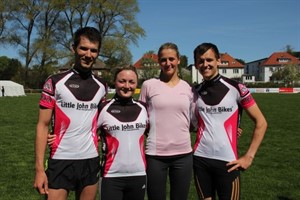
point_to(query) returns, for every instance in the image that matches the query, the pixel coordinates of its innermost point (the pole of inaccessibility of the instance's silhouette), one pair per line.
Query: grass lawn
(274, 174)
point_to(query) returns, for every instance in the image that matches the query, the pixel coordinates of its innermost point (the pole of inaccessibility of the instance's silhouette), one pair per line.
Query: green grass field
(274, 174)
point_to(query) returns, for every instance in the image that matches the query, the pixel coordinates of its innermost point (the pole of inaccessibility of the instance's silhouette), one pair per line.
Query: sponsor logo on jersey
(216, 110)
(79, 106)
(247, 100)
(127, 127)
(115, 111)
(204, 92)
(48, 87)
(243, 89)
(46, 98)
(74, 86)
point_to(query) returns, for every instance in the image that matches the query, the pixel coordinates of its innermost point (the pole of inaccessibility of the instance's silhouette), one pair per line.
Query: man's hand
(41, 182)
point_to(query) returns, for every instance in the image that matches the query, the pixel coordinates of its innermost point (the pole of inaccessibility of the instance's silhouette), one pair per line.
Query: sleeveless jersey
(74, 101)
(217, 109)
(123, 124)
(169, 111)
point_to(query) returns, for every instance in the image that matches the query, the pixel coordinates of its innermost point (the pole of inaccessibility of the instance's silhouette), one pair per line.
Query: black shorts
(211, 176)
(73, 174)
(127, 188)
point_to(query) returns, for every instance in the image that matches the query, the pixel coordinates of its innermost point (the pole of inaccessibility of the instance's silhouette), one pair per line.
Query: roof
(138, 64)
(280, 58)
(228, 61)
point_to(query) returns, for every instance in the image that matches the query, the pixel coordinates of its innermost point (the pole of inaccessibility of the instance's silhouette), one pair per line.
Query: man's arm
(41, 181)
(258, 134)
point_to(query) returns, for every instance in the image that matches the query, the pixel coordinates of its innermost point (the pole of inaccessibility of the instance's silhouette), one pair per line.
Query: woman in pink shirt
(168, 146)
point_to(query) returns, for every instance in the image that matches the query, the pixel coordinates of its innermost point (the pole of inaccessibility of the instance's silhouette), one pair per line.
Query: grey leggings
(179, 168)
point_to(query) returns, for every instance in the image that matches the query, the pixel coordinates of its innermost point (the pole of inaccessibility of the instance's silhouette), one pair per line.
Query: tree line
(42, 32)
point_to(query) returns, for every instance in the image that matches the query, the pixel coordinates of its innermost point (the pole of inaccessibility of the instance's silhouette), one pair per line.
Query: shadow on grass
(284, 198)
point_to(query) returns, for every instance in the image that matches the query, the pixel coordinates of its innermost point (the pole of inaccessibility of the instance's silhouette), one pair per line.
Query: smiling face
(126, 83)
(86, 52)
(207, 64)
(169, 61)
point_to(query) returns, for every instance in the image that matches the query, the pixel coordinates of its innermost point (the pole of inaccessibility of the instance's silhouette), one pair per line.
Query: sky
(245, 29)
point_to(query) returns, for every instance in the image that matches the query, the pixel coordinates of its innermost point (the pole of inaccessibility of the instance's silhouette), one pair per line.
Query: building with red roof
(148, 60)
(259, 70)
(230, 67)
(263, 69)
(147, 66)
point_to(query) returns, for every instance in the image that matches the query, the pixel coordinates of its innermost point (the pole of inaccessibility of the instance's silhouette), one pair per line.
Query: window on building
(235, 71)
(224, 71)
(283, 60)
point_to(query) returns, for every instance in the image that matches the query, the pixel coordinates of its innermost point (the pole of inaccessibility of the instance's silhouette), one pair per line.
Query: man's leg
(88, 170)
(57, 194)
(89, 192)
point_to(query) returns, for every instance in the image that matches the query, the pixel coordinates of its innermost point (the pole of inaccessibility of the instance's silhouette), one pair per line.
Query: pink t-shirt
(169, 112)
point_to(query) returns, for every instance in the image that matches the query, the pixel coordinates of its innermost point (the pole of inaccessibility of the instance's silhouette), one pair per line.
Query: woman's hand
(50, 139)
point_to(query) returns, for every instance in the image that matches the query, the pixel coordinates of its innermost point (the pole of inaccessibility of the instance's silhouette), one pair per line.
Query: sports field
(274, 174)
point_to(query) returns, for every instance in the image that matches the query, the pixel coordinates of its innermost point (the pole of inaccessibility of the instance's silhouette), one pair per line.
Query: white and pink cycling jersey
(123, 123)
(74, 101)
(218, 110)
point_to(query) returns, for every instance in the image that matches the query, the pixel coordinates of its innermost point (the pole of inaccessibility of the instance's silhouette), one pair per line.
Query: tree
(116, 52)
(289, 49)
(38, 75)
(183, 64)
(288, 74)
(4, 17)
(46, 31)
(115, 19)
(43, 30)
(23, 15)
(9, 68)
(117, 24)
(240, 61)
(150, 68)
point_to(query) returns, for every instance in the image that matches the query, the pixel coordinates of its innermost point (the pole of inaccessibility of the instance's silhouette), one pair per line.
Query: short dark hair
(90, 32)
(204, 47)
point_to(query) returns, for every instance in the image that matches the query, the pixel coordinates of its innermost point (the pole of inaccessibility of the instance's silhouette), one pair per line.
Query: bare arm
(260, 128)
(41, 181)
